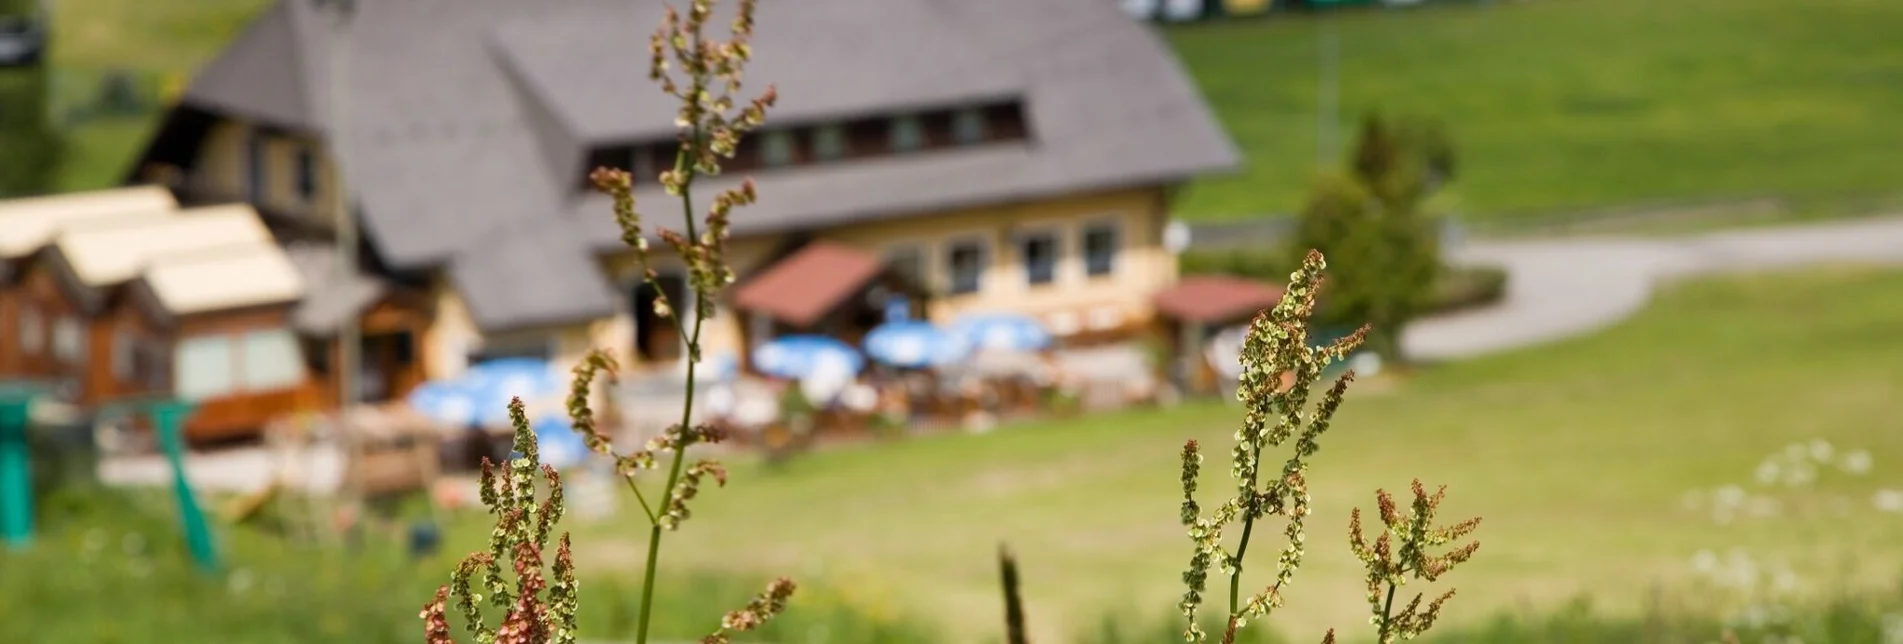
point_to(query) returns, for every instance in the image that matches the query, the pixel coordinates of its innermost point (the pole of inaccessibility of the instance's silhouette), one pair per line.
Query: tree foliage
(1371, 216)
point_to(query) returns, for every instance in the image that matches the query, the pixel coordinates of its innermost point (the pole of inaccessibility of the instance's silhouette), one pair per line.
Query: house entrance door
(389, 366)
(657, 338)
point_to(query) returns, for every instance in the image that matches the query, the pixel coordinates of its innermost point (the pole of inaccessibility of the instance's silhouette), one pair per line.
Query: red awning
(1215, 299)
(814, 280)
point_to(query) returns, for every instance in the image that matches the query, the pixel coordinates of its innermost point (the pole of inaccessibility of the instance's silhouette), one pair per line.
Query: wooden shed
(225, 315)
(32, 306)
(92, 267)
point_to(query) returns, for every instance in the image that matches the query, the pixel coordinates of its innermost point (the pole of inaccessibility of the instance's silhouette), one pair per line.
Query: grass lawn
(1579, 456)
(159, 41)
(1575, 104)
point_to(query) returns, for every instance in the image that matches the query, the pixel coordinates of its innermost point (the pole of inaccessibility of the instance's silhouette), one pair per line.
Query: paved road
(1563, 288)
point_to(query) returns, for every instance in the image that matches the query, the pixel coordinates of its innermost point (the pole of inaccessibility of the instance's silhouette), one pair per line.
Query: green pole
(169, 416)
(16, 470)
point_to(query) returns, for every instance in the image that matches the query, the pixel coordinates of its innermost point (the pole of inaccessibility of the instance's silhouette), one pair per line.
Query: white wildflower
(1796, 451)
(1821, 451)
(1705, 562)
(1784, 581)
(239, 581)
(1730, 496)
(1889, 500)
(1800, 474)
(1893, 628)
(1857, 462)
(1769, 472)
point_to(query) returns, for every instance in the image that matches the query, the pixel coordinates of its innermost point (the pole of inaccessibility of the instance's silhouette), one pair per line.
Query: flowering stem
(682, 163)
(1387, 614)
(638, 496)
(1235, 574)
(1251, 509)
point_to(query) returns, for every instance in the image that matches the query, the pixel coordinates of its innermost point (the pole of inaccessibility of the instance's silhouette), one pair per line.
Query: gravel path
(1563, 288)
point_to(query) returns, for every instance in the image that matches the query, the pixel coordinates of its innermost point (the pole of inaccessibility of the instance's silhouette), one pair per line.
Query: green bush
(1466, 287)
(1455, 287)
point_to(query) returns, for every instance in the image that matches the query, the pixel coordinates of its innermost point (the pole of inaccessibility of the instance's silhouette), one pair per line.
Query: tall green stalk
(711, 129)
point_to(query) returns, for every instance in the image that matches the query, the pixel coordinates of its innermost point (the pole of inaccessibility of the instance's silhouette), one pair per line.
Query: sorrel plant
(1279, 368)
(711, 125)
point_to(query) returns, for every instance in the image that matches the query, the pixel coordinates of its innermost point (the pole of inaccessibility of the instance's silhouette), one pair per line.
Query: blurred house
(33, 309)
(121, 293)
(940, 157)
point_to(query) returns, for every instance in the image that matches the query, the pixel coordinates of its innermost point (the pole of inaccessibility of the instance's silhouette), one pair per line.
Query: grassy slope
(1576, 103)
(156, 39)
(1578, 455)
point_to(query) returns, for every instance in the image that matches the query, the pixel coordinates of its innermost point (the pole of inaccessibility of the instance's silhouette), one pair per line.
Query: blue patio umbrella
(798, 357)
(450, 402)
(1002, 332)
(480, 396)
(556, 443)
(915, 344)
(495, 382)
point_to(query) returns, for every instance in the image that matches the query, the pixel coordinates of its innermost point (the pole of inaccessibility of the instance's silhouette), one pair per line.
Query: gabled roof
(811, 282)
(329, 299)
(224, 279)
(1215, 299)
(270, 71)
(107, 256)
(474, 117)
(28, 224)
(531, 276)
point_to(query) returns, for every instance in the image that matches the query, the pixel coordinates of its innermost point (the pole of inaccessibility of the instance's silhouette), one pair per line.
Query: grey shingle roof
(471, 118)
(531, 274)
(329, 299)
(270, 71)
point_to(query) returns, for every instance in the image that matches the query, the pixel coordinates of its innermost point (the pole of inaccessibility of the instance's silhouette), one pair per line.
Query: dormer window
(968, 126)
(306, 175)
(792, 147)
(776, 148)
(829, 142)
(907, 133)
(641, 164)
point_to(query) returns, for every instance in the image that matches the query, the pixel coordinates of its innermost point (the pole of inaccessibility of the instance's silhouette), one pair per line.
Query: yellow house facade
(1039, 187)
(1075, 300)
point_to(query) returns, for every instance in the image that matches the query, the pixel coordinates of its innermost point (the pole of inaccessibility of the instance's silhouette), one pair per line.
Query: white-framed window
(307, 174)
(69, 340)
(641, 163)
(965, 262)
(1101, 241)
(968, 126)
(270, 360)
(776, 148)
(124, 348)
(205, 367)
(908, 133)
(32, 330)
(256, 166)
(907, 260)
(1038, 251)
(829, 142)
(152, 363)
